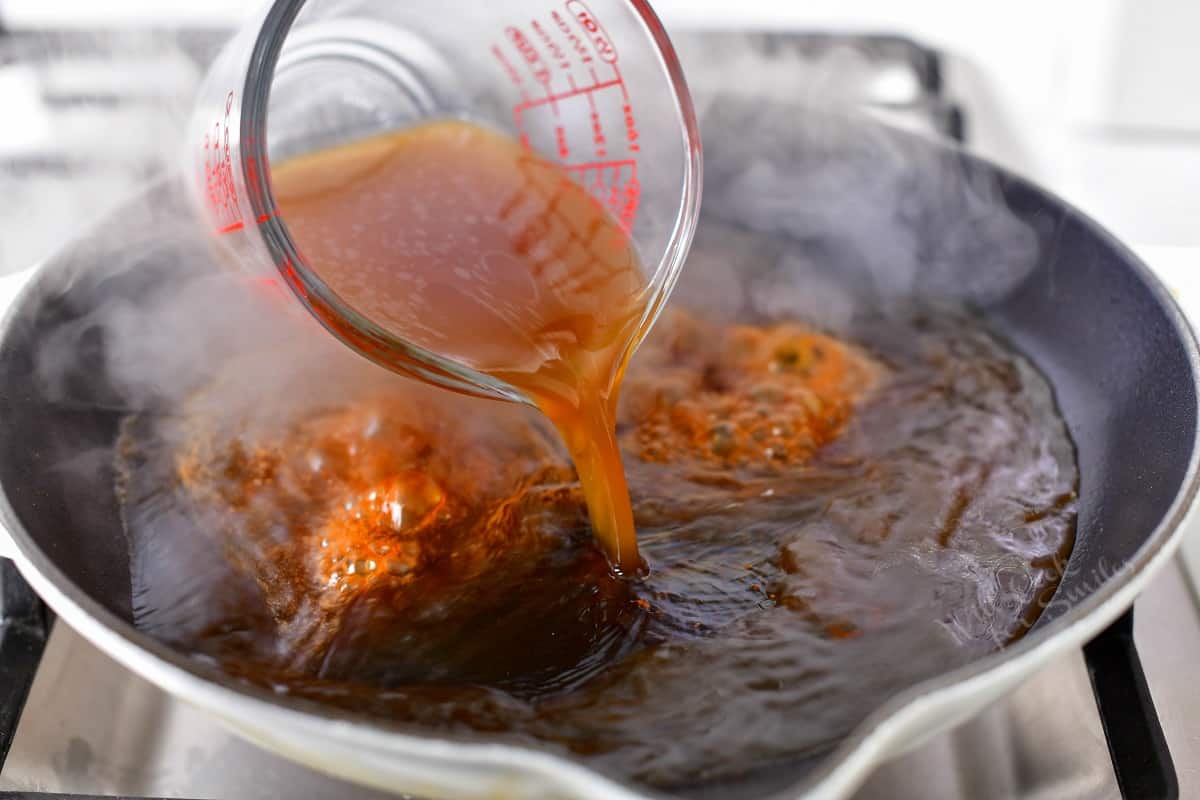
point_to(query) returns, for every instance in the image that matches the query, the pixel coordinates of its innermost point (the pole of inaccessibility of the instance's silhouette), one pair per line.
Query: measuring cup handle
(10, 289)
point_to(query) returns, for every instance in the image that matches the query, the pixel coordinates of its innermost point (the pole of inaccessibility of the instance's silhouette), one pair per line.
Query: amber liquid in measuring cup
(454, 238)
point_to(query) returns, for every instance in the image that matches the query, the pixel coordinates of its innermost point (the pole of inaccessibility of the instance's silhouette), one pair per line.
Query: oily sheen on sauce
(824, 520)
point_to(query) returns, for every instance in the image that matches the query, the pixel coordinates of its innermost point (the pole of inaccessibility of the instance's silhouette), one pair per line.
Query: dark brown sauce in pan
(825, 525)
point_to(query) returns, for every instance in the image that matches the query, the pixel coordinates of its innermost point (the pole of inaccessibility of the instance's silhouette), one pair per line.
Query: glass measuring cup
(594, 87)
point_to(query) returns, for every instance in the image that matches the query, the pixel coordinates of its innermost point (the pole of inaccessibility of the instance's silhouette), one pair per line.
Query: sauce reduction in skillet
(826, 523)
(457, 239)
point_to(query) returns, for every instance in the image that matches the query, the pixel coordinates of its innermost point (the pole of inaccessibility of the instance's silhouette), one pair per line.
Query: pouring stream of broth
(454, 238)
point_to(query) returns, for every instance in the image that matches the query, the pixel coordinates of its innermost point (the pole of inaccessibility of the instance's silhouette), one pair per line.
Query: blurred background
(1094, 98)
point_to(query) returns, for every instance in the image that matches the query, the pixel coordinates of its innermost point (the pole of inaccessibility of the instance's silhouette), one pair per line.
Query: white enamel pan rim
(471, 766)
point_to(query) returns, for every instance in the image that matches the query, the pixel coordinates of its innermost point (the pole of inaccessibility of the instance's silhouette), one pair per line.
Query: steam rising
(832, 215)
(811, 211)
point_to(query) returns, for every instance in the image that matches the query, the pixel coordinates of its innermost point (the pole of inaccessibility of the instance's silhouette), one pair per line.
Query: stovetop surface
(91, 727)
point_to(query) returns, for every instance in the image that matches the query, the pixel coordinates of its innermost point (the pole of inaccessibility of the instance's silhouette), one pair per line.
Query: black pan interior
(1082, 308)
(1120, 369)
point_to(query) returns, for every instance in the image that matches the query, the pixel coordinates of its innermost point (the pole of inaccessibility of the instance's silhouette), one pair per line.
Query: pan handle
(10, 288)
(1141, 760)
(8, 548)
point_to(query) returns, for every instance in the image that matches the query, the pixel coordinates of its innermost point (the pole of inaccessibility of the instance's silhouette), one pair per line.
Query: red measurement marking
(560, 136)
(595, 33)
(573, 39)
(614, 194)
(598, 138)
(631, 132)
(566, 49)
(633, 196)
(556, 52)
(554, 98)
(614, 184)
(624, 92)
(263, 218)
(522, 134)
(509, 69)
(625, 162)
(590, 96)
(220, 191)
(541, 72)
